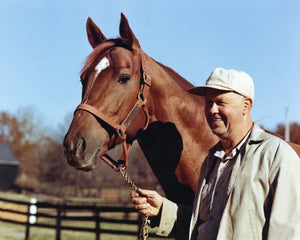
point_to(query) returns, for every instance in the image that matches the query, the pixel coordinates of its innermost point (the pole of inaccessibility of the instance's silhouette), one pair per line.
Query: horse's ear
(126, 33)
(95, 36)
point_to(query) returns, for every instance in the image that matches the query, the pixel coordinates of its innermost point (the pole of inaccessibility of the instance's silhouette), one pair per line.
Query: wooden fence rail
(55, 216)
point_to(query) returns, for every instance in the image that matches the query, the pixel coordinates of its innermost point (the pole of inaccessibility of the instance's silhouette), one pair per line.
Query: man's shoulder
(262, 136)
(268, 141)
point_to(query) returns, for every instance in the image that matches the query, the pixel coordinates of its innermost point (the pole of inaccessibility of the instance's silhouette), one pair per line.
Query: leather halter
(120, 128)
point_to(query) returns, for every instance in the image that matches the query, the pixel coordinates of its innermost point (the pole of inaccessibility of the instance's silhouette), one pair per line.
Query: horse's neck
(170, 101)
(178, 137)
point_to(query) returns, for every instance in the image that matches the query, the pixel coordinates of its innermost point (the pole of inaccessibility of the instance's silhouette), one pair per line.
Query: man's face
(223, 111)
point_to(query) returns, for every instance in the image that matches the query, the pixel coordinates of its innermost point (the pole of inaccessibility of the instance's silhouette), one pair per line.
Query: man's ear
(247, 106)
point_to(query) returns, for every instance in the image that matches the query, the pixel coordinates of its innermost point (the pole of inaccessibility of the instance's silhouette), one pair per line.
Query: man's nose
(212, 108)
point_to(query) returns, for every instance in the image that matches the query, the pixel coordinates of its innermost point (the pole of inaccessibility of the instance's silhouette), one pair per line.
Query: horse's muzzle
(75, 152)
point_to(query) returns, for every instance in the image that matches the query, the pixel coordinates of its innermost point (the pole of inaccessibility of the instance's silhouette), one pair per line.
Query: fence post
(58, 220)
(97, 222)
(31, 218)
(27, 225)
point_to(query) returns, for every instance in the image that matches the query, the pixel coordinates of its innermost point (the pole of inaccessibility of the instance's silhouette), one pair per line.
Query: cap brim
(201, 90)
(197, 91)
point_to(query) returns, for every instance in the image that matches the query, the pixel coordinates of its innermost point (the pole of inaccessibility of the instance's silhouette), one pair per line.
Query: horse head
(112, 85)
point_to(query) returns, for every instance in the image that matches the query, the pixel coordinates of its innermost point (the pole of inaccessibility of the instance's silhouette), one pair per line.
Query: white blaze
(103, 64)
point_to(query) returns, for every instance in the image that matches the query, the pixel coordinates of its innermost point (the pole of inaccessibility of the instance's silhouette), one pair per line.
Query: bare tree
(294, 131)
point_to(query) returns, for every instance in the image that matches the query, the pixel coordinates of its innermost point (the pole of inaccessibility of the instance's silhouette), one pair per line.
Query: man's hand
(147, 202)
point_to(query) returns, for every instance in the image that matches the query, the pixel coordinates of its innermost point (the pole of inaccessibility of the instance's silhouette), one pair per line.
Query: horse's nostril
(65, 152)
(68, 144)
(80, 147)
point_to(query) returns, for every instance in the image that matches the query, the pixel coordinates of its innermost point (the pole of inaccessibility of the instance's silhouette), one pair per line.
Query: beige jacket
(263, 195)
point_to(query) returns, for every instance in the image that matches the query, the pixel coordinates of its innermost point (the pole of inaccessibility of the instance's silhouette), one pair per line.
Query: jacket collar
(258, 135)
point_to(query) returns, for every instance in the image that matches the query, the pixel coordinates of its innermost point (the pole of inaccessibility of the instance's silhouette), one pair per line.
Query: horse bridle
(120, 128)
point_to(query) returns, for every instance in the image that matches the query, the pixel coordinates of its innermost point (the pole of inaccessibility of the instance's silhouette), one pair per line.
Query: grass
(11, 231)
(14, 196)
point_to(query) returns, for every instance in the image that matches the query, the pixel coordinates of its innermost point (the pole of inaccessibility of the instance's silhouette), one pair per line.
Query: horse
(120, 104)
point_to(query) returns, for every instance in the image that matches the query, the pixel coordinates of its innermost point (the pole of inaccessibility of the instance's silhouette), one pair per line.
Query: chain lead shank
(144, 228)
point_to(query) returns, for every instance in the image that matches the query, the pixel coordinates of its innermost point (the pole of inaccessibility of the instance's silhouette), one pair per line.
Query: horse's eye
(123, 78)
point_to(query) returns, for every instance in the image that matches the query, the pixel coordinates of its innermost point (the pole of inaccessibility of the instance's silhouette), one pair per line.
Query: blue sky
(43, 46)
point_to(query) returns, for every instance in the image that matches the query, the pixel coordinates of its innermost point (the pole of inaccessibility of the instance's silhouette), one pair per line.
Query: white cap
(227, 80)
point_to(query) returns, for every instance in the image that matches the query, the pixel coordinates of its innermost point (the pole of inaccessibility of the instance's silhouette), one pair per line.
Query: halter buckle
(121, 134)
(147, 78)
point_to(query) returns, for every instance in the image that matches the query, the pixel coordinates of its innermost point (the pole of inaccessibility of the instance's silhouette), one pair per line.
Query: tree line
(43, 167)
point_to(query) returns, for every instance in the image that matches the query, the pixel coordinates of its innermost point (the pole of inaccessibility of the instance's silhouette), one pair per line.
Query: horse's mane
(91, 59)
(179, 79)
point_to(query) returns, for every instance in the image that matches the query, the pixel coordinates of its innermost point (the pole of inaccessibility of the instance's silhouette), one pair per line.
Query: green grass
(11, 231)
(14, 196)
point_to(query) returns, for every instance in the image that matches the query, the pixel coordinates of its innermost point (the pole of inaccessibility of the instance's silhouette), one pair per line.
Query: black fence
(64, 217)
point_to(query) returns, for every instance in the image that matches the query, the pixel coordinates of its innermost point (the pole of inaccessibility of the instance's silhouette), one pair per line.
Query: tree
(294, 131)
(22, 135)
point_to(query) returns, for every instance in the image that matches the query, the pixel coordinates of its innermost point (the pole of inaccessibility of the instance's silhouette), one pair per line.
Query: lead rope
(144, 227)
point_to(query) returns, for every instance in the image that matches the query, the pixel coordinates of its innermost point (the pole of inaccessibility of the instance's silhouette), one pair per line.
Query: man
(249, 182)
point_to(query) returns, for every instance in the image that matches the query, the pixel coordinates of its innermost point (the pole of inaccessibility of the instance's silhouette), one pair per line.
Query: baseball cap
(227, 80)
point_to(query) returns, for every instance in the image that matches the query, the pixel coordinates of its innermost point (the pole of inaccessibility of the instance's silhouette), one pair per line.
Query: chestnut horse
(170, 127)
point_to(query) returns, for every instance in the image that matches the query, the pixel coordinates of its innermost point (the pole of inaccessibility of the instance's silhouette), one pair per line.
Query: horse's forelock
(93, 57)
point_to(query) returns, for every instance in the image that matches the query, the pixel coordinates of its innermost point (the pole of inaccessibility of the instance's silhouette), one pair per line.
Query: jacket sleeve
(284, 222)
(175, 218)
